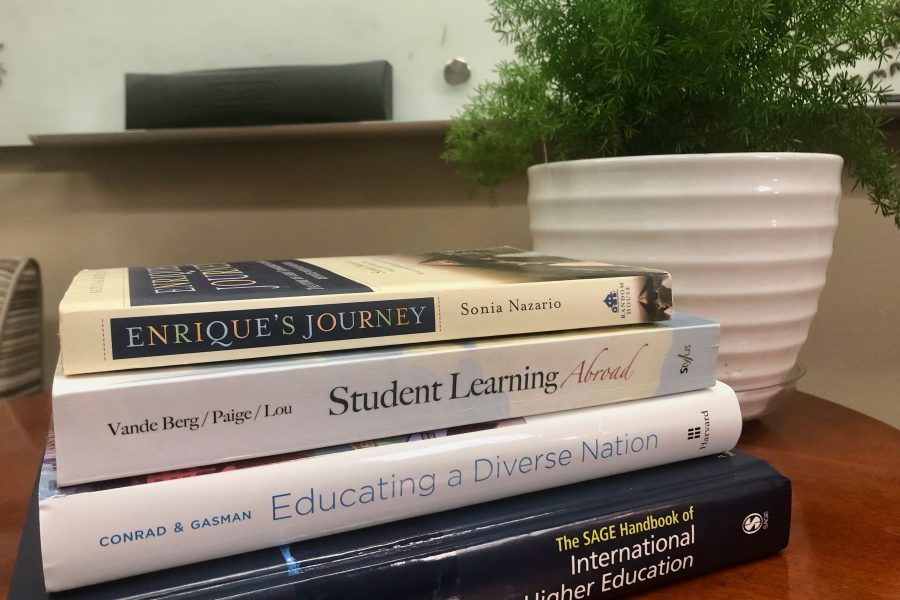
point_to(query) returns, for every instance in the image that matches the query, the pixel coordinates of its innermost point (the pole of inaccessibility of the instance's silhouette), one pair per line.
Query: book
(112, 425)
(108, 530)
(603, 537)
(112, 319)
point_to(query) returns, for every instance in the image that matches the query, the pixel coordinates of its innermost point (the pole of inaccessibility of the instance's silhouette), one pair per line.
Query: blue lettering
(342, 498)
(309, 499)
(490, 467)
(275, 507)
(216, 520)
(131, 536)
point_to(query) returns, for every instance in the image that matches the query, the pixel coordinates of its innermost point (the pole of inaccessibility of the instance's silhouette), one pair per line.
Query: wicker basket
(21, 325)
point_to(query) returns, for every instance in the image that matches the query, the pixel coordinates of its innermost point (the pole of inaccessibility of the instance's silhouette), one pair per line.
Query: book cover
(104, 531)
(112, 425)
(598, 539)
(112, 319)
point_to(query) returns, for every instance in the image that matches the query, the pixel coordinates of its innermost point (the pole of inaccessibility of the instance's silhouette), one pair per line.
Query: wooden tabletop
(845, 532)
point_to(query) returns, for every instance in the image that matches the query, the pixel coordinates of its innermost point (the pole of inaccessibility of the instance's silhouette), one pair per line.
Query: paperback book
(112, 425)
(108, 530)
(112, 319)
(599, 539)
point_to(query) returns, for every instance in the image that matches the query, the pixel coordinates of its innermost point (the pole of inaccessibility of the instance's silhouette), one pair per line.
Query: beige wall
(853, 350)
(133, 205)
(90, 207)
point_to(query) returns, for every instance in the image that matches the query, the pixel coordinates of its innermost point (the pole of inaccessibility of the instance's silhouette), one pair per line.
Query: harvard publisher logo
(612, 301)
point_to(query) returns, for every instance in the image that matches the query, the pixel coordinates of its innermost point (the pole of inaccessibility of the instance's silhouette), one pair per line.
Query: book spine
(707, 527)
(106, 534)
(616, 555)
(163, 335)
(104, 431)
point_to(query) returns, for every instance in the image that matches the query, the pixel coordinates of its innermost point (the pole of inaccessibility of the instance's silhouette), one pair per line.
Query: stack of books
(473, 424)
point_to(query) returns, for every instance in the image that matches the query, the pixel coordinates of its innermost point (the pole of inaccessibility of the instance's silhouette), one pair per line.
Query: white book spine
(90, 536)
(120, 424)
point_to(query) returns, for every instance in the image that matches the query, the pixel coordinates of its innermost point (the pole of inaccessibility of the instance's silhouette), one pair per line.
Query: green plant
(600, 78)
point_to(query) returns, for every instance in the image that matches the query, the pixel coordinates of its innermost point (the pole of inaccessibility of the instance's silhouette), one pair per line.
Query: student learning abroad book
(113, 425)
(104, 531)
(599, 539)
(113, 319)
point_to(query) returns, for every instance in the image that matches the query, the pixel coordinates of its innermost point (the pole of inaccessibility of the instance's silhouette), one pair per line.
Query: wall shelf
(273, 132)
(242, 134)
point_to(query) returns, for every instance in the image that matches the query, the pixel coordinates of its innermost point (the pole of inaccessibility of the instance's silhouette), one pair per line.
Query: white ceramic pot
(747, 238)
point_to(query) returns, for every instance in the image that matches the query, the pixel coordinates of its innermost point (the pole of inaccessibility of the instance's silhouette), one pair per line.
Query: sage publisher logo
(754, 522)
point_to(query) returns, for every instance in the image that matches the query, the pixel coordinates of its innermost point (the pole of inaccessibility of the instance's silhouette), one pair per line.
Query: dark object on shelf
(260, 96)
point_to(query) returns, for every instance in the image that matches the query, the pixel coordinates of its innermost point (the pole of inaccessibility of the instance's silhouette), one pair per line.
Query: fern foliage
(601, 78)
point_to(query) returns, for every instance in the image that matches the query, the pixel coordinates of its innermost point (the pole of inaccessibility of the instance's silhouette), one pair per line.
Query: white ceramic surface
(747, 238)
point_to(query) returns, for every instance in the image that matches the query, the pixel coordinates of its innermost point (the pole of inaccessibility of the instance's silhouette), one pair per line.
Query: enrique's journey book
(124, 318)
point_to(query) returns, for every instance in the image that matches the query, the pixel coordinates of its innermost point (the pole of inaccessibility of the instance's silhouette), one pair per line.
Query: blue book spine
(599, 539)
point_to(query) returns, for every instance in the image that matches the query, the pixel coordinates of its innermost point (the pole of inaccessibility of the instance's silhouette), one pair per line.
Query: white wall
(65, 60)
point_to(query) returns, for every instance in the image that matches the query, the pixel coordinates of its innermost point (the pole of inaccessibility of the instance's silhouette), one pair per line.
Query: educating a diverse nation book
(108, 530)
(113, 425)
(599, 539)
(113, 319)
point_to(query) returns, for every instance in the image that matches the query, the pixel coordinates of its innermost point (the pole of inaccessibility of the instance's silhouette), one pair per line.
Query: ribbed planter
(747, 238)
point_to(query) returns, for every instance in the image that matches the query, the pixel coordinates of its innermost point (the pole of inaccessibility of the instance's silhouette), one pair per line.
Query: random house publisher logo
(612, 301)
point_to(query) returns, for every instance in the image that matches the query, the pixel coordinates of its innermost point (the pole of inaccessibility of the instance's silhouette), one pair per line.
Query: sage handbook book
(600, 539)
(108, 530)
(111, 425)
(125, 318)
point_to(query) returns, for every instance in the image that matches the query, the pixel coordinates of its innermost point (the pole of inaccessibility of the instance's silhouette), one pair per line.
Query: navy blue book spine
(599, 539)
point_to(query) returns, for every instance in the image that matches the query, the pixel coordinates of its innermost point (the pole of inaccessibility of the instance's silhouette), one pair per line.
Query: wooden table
(845, 468)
